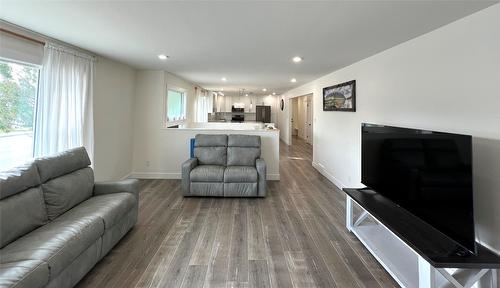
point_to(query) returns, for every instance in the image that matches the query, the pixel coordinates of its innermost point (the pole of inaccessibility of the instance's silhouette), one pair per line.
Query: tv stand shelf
(413, 252)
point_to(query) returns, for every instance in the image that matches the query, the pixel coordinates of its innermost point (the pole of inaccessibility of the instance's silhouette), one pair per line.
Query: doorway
(301, 118)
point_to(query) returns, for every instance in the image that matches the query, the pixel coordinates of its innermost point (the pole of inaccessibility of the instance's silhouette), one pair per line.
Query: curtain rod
(22, 36)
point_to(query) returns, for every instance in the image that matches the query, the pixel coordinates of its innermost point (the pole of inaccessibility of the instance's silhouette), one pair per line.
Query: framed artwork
(340, 97)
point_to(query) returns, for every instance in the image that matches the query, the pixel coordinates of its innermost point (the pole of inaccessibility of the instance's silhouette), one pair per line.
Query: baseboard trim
(128, 175)
(160, 175)
(321, 169)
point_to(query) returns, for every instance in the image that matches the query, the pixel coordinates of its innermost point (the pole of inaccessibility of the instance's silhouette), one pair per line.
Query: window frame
(36, 103)
(166, 121)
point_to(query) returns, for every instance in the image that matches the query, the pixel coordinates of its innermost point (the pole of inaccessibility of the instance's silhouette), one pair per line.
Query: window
(18, 93)
(176, 107)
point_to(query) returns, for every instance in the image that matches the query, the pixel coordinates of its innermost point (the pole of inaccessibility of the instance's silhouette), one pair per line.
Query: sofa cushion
(242, 156)
(238, 174)
(237, 140)
(207, 140)
(111, 208)
(211, 149)
(58, 243)
(62, 163)
(207, 173)
(65, 192)
(211, 155)
(18, 179)
(27, 273)
(21, 214)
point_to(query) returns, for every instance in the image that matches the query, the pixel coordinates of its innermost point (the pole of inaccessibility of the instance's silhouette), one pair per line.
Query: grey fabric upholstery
(18, 179)
(211, 149)
(21, 214)
(211, 155)
(57, 243)
(62, 163)
(240, 174)
(240, 189)
(129, 186)
(243, 150)
(207, 173)
(187, 166)
(56, 224)
(215, 189)
(65, 192)
(225, 166)
(262, 172)
(236, 140)
(24, 274)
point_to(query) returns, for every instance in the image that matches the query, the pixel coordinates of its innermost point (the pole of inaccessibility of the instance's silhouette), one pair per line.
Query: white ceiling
(250, 43)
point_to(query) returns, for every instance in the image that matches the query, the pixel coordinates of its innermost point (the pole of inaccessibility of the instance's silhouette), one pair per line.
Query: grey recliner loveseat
(225, 166)
(56, 223)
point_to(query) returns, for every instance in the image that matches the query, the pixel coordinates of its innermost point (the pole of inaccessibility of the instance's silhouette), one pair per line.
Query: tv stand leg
(426, 274)
(348, 213)
(494, 278)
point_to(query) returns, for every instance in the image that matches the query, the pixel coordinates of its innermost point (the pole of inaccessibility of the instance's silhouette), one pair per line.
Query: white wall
(159, 152)
(150, 139)
(446, 80)
(114, 92)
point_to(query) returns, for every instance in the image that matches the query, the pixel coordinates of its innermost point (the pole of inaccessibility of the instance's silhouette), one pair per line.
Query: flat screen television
(427, 173)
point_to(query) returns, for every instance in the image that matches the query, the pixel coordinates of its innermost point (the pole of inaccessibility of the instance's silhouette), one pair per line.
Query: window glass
(18, 91)
(175, 106)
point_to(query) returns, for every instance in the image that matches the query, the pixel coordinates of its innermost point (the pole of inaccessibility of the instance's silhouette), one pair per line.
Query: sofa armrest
(128, 185)
(187, 166)
(260, 164)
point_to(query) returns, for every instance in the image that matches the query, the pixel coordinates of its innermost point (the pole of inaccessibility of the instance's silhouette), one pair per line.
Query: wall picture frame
(340, 97)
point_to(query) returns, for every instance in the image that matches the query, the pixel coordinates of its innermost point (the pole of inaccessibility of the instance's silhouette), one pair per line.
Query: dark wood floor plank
(259, 275)
(295, 237)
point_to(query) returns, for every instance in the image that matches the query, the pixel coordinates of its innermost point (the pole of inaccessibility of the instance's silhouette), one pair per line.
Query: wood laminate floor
(295, 237)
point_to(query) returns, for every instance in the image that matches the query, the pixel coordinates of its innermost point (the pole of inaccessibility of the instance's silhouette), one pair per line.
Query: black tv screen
(427, 173)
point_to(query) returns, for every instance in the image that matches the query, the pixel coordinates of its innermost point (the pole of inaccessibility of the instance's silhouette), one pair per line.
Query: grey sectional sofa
(225, 166)
(56, 223)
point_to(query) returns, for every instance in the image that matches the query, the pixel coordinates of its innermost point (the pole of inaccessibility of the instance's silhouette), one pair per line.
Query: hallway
(295, 237)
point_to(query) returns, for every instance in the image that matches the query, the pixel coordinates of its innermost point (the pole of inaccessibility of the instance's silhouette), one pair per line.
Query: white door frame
(290, 112)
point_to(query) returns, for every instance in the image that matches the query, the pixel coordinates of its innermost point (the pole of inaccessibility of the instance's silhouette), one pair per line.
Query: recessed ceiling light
(246, 95)
(223, 79)
(163, 57)
(274, 93)
(264, 89)
(297, 59)
(293, 80)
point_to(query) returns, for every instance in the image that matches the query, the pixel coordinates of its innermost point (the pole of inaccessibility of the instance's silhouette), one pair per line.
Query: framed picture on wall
(340, 97)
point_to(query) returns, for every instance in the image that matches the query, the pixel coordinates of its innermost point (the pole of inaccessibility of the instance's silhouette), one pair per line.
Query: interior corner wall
(446, 80)
(151, 139)
(114, 93)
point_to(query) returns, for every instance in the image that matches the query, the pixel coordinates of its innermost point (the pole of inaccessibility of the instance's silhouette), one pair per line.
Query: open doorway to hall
(301, 119)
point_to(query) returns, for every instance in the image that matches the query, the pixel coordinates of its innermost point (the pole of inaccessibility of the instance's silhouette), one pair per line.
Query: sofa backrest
(243, 150)
(211, 149)
(67, 180)
(22, 207)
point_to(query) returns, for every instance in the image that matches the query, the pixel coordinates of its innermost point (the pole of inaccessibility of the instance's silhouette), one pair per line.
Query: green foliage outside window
(18, 89)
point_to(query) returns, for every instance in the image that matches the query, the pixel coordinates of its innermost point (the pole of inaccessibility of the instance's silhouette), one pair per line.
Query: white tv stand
(402, 261)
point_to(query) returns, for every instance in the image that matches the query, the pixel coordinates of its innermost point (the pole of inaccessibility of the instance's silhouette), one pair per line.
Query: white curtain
(203, 105)
(64, 106)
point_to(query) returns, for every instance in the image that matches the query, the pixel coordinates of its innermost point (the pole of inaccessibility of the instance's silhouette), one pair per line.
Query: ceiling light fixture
(223, 79)
(274, 93)
(264, 89)
(297, 59)
(163, 57)
(246, 95)
(293, 80)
